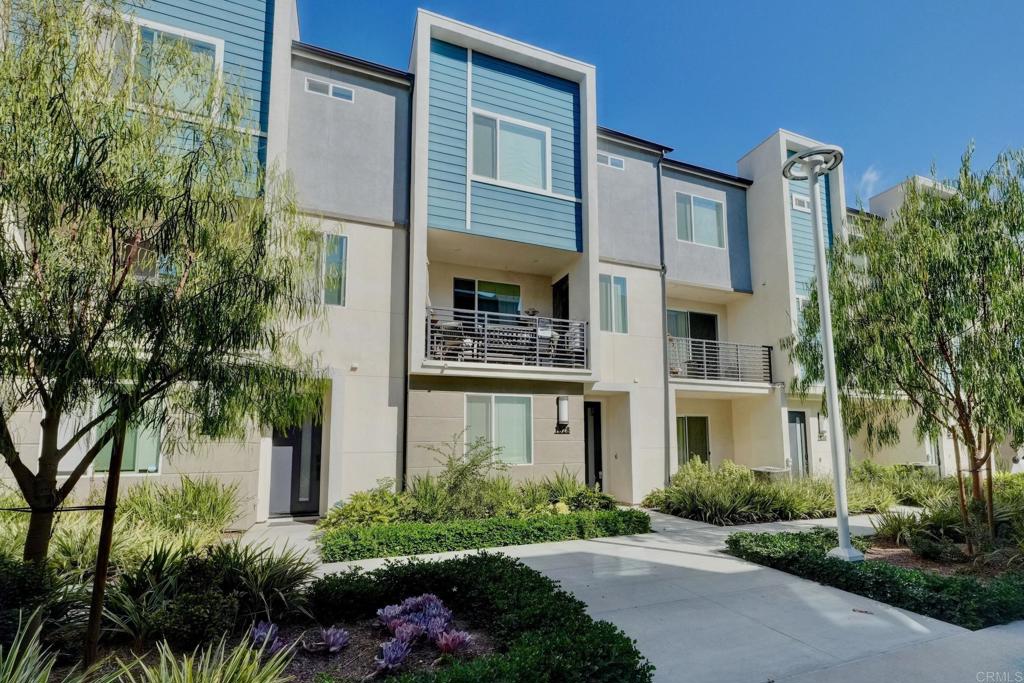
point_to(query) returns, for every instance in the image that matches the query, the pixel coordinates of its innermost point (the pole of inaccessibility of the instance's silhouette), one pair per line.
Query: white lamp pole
(810, 165)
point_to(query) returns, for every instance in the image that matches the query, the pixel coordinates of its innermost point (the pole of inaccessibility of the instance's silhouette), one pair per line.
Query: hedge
(413, 538)
(962, 600)
(542, 633)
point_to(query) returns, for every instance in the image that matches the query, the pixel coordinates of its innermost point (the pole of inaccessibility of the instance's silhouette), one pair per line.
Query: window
(486, 297)
(609, 160)
(141, 451)
(801, 203)
(511, 152)
(338, 92)
(933, 450)
(692, 439)
(334, 267)
(505, 421)
(700, 220)
(141, 446)
(614, 311)
(154, 63)
(691, 324)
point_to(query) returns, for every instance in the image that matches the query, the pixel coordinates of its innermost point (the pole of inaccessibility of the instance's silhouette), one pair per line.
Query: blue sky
(900, 85)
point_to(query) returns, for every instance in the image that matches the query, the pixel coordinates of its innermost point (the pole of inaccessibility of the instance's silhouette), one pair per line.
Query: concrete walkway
(700, 615)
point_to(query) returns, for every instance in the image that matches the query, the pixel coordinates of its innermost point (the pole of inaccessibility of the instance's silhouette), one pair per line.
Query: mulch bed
(902, 556)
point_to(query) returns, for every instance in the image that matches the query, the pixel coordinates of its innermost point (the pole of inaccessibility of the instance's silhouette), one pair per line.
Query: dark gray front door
(295, 471)
(592, 443)
(798, 460)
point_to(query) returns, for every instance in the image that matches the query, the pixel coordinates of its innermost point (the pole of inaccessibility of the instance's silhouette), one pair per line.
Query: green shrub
(270, 584)
(961, 600)
(543, 633)
(192, 503)
(896, 526)
(413, 538)
(934, 548)
(379, 505)
(24, 588)
(732, 495)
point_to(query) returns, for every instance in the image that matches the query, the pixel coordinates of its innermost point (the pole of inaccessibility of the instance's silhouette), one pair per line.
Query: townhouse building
(513, 271)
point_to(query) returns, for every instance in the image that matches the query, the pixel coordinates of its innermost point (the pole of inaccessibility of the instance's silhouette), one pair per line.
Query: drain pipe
(664, 326)
(403, 445)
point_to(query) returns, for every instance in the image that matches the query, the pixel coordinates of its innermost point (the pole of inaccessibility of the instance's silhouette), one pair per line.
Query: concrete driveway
(700, 615)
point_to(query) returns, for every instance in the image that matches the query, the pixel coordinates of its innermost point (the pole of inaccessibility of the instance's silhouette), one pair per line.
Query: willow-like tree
(150, 273)
(928, 315)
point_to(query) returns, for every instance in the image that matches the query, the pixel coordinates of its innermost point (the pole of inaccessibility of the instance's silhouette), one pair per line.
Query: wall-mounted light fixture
(562, 415)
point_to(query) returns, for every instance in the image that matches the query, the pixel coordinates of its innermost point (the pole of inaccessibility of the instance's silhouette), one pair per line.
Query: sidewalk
(701, 615)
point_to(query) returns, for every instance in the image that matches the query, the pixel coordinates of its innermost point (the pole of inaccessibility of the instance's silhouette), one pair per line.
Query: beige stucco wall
(632, 369)
(362, 347)
(437, 415)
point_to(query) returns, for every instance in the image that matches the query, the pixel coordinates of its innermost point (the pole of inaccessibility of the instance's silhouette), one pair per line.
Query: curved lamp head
(817, 160)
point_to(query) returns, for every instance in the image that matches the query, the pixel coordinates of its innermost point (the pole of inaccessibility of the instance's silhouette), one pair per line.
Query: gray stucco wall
(349, 158)
(687, 262)
(627, 205)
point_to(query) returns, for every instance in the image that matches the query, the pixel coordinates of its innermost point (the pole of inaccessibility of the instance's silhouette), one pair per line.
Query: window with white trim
(505, 421)
(512, 152)
(141, 446)
(700, 220)
(335, 261)
(332, 90)
(614, 306)
(610, 160)
(801, 202)
(154, 45)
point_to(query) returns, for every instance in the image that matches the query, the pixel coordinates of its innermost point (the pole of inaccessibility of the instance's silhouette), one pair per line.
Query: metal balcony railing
(480, 337)
(718, 360)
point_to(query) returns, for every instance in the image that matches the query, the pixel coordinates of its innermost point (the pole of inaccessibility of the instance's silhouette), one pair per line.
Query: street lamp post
(810, 165)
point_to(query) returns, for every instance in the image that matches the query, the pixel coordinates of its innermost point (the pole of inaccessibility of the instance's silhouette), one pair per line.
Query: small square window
(801, 203)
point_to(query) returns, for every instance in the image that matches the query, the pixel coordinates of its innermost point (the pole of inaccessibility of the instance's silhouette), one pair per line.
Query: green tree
(928, 314)
(150, 273)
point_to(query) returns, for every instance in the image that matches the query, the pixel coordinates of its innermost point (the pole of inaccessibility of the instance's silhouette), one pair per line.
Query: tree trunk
(37, 541)
(964, 517)
(99, 582)
(988, 494)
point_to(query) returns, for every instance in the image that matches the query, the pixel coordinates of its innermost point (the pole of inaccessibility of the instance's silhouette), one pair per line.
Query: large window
(512, 152)
(693, 325)
(486, 297)
(156, 61)
(334, 267)
(614, 310)
(700, 220)
(141, 446)
(505, 421)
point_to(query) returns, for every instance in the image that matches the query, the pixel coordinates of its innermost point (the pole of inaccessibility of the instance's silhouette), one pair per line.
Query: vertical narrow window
(684, 220)
(678, 324)
(464, 294)
(506, 422)
(485, 146)
(335, 255)
(614, 307)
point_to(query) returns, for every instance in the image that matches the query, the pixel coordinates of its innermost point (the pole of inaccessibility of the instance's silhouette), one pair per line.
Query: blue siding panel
(803, 233)
(245, 26)
(527, 217)
(446, 140)
(513, 90)
(502, 88)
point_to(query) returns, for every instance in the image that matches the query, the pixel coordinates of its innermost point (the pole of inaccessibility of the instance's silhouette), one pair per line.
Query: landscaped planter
(962, 600)
(539, 632)
(342, 544)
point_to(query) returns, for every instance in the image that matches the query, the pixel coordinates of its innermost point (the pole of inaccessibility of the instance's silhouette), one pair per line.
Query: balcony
(704, 359)
(502, 338)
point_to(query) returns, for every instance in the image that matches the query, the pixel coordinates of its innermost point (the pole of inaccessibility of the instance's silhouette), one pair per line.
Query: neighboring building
(511, 270)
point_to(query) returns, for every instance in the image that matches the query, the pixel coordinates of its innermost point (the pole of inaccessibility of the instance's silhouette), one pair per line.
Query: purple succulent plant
(452, 642)
(436, 627)
(436, 611)
(409, 632)
(334, 639)
(392, 654)
(388, 614)
(276, 645)
(263, 634)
